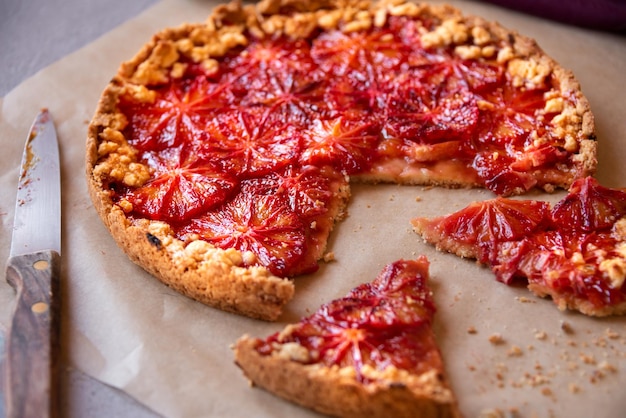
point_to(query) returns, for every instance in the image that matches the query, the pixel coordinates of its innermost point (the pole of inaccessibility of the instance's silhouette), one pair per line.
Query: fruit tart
(220, 156)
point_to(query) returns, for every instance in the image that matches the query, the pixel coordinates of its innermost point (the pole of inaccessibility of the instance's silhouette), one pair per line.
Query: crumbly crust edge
(335, 392)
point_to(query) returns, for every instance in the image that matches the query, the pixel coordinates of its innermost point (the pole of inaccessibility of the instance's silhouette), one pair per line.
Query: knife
(33, 270)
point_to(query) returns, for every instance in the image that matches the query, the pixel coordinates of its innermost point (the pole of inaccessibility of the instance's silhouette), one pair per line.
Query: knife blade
(33, 269)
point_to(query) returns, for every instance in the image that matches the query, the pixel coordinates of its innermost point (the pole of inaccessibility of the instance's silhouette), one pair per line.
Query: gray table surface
(33, 35)
(36, 33)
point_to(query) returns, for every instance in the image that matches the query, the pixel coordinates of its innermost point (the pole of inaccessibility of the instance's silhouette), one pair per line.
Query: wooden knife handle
(32, 343)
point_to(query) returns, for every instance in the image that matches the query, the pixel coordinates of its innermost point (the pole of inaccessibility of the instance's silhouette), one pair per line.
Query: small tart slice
(372, 353)
(574, 252)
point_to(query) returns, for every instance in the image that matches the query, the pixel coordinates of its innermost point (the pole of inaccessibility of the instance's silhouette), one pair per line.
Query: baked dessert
(220, 156)
(573, 252)
(370, 354)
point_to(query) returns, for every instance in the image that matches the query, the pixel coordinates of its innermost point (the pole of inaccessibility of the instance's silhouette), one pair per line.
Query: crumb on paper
(600, 342)
(587, 359)
(541, 335)
(573, 388)
(596, 375)
(515, 351)
(498, 413)
(606, 366)
(491, 413)
(524, 299)
(471, 330)
(329, 256)
(566, 327)
(418, 198)
(611, 334)
(496, 338)
(572, 365)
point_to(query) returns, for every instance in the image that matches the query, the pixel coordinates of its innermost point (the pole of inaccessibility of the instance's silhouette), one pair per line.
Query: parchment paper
(125, 328)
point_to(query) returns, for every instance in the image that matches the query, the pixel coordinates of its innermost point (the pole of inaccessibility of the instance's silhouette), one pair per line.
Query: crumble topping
(619, 233)
(615, 270)
(293, 351)
(567, 126)
(480, 35)
(140, 93)
(452, 31)
(528, 72)
(152, 70)
(199, 254)
(505, 54)
(121, 162)
(554, 105)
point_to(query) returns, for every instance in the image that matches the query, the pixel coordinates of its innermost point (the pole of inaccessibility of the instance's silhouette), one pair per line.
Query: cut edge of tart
(350, 359)
(234, 280)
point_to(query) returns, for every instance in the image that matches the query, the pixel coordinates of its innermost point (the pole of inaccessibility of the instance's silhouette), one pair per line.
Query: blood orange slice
(271, 70)
(590, 206)
(308, 189)
(452, 117)
(261, 224)
(346, 144)
(496, 170)
(374, 54)
(475, 231)
(243, 145)
(178, 191)
(510, 115)
(178, 115)
(378, 339)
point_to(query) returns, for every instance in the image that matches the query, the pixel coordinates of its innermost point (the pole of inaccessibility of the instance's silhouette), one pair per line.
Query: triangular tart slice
(574, 252)
(372, 353)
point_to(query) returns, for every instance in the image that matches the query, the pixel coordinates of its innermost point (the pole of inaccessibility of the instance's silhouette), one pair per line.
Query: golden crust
(423, 228)
(217, 277)
(336, 392)
(565, 302)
